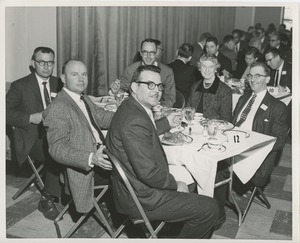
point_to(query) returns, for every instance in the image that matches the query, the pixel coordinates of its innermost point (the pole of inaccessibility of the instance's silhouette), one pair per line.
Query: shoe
(48, 208)
(220, 222)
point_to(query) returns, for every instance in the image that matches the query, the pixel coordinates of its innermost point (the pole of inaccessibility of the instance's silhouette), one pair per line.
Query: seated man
(185, 75)
(148, 51)
(281, 71)
(260, 112)
(227, 49)
(158, 55)
(25, 102)
(73, 130)
(133, 139)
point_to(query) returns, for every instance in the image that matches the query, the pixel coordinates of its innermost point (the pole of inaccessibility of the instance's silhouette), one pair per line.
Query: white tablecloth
(202, 165)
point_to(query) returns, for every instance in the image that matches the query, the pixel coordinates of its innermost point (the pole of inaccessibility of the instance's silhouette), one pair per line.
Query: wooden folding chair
(148, 229)
(180, 100)
(96, 208)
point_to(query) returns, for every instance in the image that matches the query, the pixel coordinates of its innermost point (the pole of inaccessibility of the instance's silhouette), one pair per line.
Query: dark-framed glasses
(269, 60)
(43, 63)
(150, 53)
(152, 85)
(255, 76)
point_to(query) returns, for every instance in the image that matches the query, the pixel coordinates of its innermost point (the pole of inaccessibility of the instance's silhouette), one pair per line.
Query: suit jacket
(133, 139)
(225, 63)
(24, 98)
(198, 51)
(271, 121)
(283, 50)
(71, 142)
(167, 78)
(215, 106)
(232, 55)
(185, 75)
(285, 78)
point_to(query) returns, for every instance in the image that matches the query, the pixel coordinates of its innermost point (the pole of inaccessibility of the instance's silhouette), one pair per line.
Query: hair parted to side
(185, 50)
(42, 49)
(208, 57)
(263, 65)
(143, 68)
(66, 63)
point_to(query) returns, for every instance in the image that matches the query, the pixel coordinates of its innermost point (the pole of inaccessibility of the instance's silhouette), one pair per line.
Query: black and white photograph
(162, 120)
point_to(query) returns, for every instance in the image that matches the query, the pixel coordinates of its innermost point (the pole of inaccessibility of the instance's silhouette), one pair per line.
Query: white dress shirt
(149, 112)
(247, 124)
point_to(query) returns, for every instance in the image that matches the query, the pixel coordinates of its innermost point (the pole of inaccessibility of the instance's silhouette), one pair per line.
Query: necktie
(92, 119)
(46, 94)
(246, 111)
(276, 78)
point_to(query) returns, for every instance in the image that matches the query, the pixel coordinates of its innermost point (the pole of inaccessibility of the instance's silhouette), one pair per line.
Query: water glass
(189, 114)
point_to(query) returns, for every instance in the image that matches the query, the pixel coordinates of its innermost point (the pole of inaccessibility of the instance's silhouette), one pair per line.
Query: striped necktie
(246, 111)
(46, 94)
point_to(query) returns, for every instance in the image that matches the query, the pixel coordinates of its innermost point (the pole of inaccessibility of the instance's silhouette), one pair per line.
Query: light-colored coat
(71, 141)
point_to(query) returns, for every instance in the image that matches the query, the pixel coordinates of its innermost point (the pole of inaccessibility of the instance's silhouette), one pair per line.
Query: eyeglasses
(43, 63)
(272, 40)
(269, 60)
(152, 85)
(255, 76)
(150, 53)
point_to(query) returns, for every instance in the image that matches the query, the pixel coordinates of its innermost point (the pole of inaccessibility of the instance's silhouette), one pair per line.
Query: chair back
(180, 100)
(116, 164)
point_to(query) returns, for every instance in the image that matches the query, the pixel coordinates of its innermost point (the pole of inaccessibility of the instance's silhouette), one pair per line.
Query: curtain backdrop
(107, 38)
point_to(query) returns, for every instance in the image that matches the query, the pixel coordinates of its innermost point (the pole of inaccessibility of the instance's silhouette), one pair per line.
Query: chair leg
(35, 176)
(263, 198)
(249, 204)
(120, 229)
(61, 214)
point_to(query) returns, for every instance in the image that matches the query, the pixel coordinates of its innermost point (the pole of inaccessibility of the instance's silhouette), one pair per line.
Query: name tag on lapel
(264, 107)
(283, 73)
(53, 95)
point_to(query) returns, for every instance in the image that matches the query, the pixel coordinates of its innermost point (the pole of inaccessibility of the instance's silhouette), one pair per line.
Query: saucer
(208, 149)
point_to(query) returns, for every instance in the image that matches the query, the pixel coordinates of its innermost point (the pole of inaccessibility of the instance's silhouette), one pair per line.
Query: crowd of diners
(56, 123)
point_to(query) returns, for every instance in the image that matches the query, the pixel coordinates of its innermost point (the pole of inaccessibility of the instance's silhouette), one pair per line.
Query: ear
(134, 87)
(62, 77)
(268, 79)
(32, 63)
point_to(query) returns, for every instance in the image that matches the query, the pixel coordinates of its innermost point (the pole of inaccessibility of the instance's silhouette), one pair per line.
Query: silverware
(201, 147)
(190, 131)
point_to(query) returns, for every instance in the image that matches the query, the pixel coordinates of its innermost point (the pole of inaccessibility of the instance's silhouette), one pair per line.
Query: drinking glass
(189, 114)
(179, 116)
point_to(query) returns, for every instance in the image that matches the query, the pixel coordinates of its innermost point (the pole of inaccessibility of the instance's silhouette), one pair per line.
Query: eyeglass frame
(45, 62)
(267, 61)
(146, 53)
(255, 76)
(149, 83)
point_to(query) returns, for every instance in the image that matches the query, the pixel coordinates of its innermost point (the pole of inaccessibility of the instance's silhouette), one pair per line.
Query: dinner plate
(107, 99)
(205, 147)
(177, 129)
(111, 107)
(165, 142)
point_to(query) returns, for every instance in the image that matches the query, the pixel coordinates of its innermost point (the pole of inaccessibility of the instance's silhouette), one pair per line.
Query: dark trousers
(197, 213)
(39, 152)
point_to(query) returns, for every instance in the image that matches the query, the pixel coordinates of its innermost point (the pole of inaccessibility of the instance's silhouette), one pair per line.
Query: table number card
(236, 137)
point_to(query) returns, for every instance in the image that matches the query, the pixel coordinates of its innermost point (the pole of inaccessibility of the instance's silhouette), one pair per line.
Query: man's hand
(36, 118)
(173, 119)
(226, 73)
(182, 186)
(100, 159)
(115, 86)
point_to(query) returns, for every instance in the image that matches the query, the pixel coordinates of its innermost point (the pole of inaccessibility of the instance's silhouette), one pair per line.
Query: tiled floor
(25, 221)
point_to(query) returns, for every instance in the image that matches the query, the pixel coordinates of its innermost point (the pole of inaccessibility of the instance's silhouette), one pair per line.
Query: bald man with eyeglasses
(27, 98)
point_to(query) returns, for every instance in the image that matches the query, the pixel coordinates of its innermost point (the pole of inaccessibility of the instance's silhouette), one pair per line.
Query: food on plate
(220, 124)
(176, 138)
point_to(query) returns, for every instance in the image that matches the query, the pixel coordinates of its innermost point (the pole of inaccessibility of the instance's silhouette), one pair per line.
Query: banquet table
(246, 157)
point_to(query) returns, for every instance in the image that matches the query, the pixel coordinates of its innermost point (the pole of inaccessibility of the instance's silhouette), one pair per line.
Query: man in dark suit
(25, 102)
(275, 42)
(148, 52)
(267, 115)
(281, 71)
(74, 135)
(199, 49)
(184, 74)
(239, 44)
(212, 47)
(133, 139)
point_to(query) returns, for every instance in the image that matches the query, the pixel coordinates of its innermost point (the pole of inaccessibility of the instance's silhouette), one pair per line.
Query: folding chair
(84, 216)
(34, 178)
(258, 193)
(148, 229)
(180, 100)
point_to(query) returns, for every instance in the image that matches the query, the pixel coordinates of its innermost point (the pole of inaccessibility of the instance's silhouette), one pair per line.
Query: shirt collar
(149, 111)
(40, 80)
(73, 95)
(260, 94)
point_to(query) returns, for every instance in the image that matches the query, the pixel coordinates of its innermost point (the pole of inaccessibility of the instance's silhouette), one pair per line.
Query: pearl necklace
(207, 85)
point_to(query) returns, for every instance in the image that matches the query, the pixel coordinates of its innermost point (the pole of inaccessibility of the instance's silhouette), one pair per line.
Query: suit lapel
(35, 88)
(241, 103)
(265, 102)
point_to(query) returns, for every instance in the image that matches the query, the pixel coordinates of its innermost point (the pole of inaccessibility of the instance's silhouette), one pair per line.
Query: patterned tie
(276, 78)
(92, 119)
(246, 111)
(46, 94)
